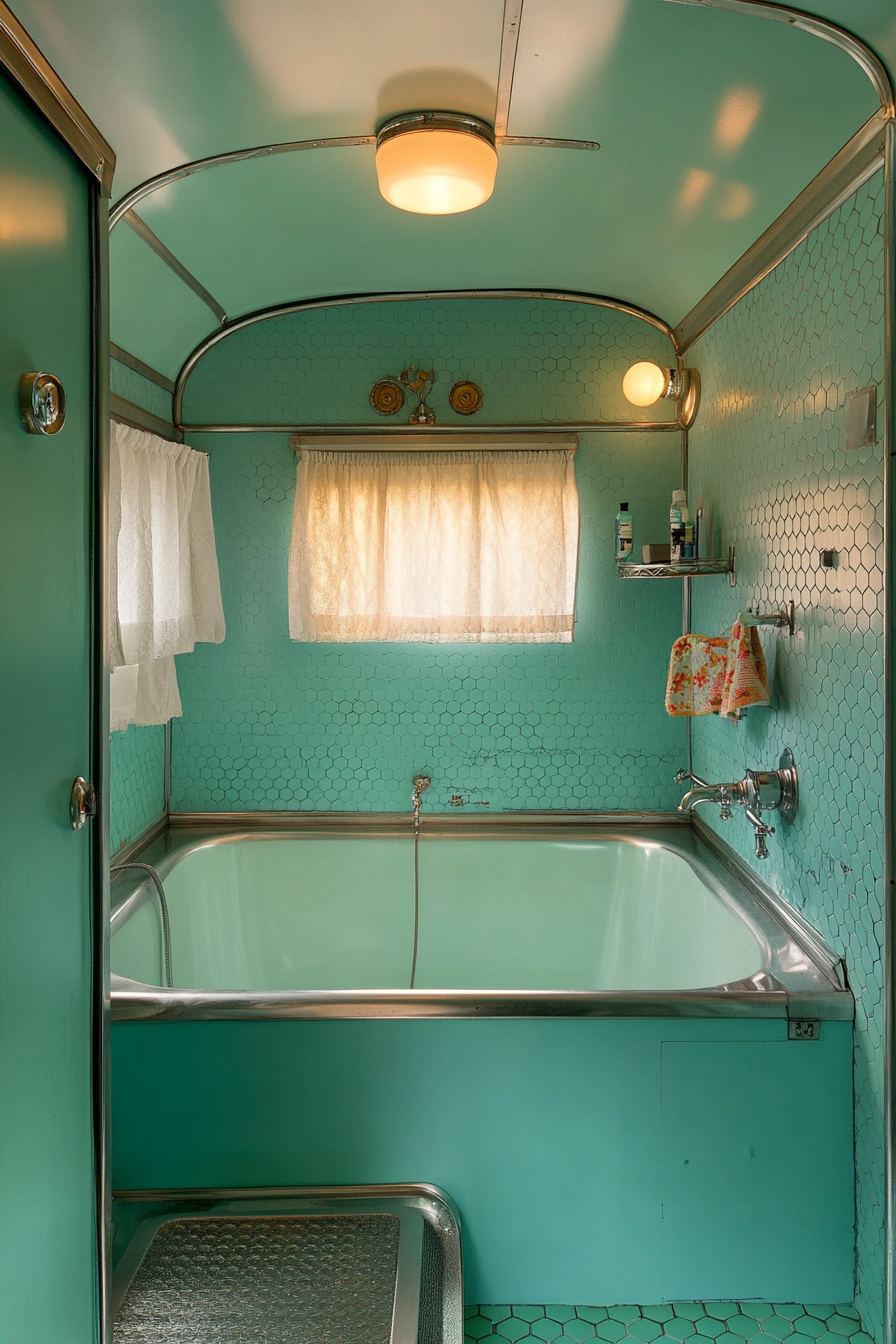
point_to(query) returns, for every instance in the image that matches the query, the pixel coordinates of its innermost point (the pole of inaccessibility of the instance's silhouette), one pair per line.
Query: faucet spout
(723, 794)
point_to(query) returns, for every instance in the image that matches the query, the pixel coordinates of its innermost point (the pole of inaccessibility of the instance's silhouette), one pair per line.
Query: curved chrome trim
(308, 305)
(23, 61)
(824, 29)
(144, 189)
(165, 179)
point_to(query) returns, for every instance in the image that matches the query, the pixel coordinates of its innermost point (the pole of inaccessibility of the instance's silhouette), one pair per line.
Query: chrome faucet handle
(724, 803)
(760, 830)
(680, 776)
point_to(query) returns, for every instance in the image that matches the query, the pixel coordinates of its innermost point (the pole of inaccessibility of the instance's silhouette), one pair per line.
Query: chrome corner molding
(405, 296)
(144, 232)
(29, 68)
(799, 928)
(889, 901)
(129, 413)
(858, 160)
(146, 371)
(824, 29)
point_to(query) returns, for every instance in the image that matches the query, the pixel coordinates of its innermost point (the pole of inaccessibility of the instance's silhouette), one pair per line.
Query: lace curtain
(442, 547)
(165, 590)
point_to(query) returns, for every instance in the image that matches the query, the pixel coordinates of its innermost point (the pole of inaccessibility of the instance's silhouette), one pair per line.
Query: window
(456, 546)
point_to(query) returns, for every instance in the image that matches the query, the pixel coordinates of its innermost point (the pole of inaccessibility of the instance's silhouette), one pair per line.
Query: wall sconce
(436, 163)
(646, 383)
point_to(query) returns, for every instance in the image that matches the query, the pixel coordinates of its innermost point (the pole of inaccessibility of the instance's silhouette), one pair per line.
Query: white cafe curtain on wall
(458, 546)
(165, 589)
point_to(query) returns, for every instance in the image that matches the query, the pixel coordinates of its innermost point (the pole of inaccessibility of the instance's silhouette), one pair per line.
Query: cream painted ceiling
(710, 124)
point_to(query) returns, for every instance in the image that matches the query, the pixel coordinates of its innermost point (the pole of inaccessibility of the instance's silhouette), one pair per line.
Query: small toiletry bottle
(689, 539)
(678, 514)
(623, 533)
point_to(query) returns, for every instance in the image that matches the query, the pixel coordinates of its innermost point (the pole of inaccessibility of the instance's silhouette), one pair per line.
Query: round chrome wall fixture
(386, 397)
(790, 788)
(82, 803)
(465, 398)
(41, 403)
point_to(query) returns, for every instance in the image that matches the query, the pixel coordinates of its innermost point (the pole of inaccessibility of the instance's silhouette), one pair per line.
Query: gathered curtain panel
(434, 547)
(165, 588)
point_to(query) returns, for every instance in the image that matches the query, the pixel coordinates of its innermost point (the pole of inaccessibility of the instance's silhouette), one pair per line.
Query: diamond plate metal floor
(298, 1280)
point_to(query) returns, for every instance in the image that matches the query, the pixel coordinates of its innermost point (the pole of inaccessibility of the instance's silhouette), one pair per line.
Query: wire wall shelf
(683, 569)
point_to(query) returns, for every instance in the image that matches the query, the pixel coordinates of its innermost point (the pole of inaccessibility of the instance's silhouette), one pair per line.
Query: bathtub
(620, 1055)
(525, 917)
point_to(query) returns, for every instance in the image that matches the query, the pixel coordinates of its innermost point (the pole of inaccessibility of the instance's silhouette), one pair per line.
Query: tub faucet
(758, 791)
(421, 783)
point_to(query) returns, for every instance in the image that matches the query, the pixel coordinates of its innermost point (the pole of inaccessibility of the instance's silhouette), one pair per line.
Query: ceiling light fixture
(436, 163)
(647, 382)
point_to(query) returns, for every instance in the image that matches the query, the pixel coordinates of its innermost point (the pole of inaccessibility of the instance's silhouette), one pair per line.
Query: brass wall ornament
(386, 397)
(465, 397)
(415, 380)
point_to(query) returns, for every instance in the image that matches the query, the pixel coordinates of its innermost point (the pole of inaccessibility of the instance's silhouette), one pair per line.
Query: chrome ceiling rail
(32, 72)
(858, 160)
(309, 305)
(142, 230)
(144, 189)
(839, 37)
(510, 36)
(506, 428)
(145, 370)
(545, 142)
(166, 179)
(129, 413)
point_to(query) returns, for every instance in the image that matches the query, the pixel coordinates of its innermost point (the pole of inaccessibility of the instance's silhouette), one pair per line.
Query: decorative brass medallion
(415, 380)
(465, 397)
(386, 397)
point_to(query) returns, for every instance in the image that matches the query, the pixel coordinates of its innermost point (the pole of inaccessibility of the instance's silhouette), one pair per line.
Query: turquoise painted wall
(277, 725)
(137, 755)
(593, 1159)
(769, 450)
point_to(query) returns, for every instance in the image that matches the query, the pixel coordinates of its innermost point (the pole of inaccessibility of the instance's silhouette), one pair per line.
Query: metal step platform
(304, 1265)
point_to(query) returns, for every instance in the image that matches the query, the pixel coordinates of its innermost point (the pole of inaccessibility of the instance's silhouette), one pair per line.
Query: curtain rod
(425, 441)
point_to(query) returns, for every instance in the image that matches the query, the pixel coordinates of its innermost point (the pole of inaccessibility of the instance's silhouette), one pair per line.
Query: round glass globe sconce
(436, 163)
(646, 383)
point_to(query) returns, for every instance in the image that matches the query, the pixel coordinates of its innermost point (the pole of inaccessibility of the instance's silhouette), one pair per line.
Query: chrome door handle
(82, 803)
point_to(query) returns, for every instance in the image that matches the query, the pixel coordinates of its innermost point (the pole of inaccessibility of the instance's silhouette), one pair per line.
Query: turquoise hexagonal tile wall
(683, 1322)
(136, 782)
(535, 359)
(277, 725)
(769, 452)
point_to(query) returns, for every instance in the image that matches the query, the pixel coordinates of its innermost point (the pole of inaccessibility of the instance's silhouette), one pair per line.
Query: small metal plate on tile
(861, 418)
(803, 1029)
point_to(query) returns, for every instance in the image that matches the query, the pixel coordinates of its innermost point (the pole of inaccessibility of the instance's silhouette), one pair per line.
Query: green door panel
(47, 1207)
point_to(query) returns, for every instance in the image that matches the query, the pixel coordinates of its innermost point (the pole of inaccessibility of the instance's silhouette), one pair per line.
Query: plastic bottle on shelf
(623, 533)
(679, 517)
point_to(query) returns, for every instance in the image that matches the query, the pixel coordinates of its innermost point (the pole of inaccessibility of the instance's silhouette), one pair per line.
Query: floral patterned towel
(717, 676)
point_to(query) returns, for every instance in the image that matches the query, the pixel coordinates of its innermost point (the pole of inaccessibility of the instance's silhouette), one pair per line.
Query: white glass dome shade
(436, 163)
(645, 382)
